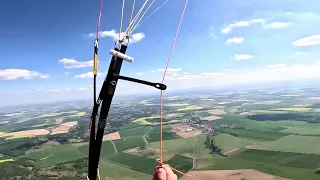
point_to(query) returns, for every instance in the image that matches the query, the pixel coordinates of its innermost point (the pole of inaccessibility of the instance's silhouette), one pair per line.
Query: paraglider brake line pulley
(156, 85)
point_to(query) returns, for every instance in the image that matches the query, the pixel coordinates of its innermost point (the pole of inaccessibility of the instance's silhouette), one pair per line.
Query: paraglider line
(160, 160)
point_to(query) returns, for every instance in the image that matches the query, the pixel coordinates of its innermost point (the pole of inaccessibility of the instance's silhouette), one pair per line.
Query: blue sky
(46, 50)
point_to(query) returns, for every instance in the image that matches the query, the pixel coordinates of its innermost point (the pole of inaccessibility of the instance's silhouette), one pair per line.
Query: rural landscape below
(264, 134)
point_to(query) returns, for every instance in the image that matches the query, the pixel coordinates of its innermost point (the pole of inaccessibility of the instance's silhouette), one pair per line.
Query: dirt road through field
(247, 174)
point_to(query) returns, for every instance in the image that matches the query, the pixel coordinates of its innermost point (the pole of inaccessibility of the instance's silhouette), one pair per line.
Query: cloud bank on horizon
(265, 45)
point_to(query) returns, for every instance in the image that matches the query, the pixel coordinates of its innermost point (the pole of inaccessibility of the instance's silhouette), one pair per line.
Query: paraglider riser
(105, 98)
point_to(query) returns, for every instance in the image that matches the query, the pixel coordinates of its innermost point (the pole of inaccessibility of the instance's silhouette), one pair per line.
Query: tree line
(214, 149)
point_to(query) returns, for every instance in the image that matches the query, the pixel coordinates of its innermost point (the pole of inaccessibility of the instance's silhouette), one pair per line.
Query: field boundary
(111, 162)
(145, 136)
(114, 146)
(193, 156)
(81, 152)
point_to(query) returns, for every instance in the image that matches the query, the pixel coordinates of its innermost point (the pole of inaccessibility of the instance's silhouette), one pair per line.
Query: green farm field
(55, 155)
(295, 143)
(171, 147)
(299, 160)
(108, 170)
(137, 131)
(256, 134)
(106, 148)
(280, 125)
(192, 147)
(199, 150)
(154, 134)
(143, 164)
(283, 104)
(203, 114)
(182, 163)
(233, 164)
(129, 126)
(307, 130)
(136, 163)
(228, 142)
(128, 143)
(154, 137)
(273, 133)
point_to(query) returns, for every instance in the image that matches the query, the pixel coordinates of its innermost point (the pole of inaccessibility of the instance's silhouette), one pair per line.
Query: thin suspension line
(95, 58)
(134, 1)
(137, 15)
(123, 1)
(160, 160)
(99, 20)
(93, 116)
(151, 14)
(143, 14)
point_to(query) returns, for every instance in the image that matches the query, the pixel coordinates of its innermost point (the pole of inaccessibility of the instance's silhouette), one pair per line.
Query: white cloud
(136, 37)
(240, 24)
(152, 71)
(54, 89)
(177, 74)
(270, 73)
(235, 40)
(197, 76)
(84, 75)
(72, 63)
(229, 27)
(307, 41)
(249, 77)
(274, 66)
(258, 21)
(12, 74)
(67, 73)
(139, 73)
(277, 25)
(171, 70)
(263, 22)
(226, 30)
(300, 53)
(240, 57)
(87, 75)
(291, 17)
(284, 72)
(305, 16)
